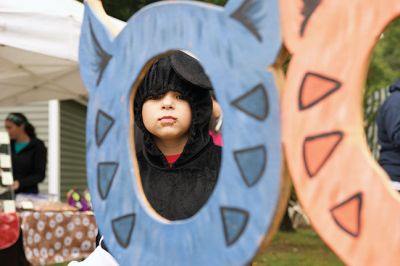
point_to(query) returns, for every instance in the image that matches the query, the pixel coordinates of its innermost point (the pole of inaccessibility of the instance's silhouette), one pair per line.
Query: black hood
(395, 86)
(194, 85)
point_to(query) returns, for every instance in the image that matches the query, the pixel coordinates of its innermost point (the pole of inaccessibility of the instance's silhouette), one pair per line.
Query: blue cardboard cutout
(235, 45)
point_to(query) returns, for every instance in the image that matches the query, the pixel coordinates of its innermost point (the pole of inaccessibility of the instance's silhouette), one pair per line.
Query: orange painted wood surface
(343, 190)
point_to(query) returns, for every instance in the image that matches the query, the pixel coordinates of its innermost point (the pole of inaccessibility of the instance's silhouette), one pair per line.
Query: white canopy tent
(39, 43)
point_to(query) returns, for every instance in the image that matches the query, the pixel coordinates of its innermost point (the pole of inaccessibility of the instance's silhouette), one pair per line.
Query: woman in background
(28, 154)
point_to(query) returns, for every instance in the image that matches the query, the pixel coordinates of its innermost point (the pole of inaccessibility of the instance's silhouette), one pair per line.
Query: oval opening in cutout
(177, 135)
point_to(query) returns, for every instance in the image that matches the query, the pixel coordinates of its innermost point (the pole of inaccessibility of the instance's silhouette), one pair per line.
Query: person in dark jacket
(179, 162)
(388, 121)
(28, 154)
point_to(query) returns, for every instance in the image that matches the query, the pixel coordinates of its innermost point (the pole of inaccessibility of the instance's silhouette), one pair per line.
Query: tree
(385, 63)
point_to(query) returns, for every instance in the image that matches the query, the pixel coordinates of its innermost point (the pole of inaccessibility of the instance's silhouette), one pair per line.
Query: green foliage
(124, 9)
(301, 248)
(385, 63)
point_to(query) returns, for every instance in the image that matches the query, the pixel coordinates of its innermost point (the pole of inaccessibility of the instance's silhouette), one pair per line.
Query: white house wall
(72, 146)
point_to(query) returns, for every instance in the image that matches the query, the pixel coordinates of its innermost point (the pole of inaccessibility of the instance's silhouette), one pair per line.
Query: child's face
(167, 116)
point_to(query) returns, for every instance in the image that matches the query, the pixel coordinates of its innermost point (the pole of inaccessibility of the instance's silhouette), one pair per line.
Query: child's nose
(168, 102)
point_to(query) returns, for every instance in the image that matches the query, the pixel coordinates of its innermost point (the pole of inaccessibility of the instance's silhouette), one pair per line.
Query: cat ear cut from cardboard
(96, 46)
(255, 18)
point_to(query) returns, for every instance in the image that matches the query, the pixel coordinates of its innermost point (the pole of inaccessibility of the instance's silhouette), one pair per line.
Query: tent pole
(54, 148)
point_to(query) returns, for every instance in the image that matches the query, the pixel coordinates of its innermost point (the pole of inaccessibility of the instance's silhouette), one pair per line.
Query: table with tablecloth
(49, 237)
(53, 237)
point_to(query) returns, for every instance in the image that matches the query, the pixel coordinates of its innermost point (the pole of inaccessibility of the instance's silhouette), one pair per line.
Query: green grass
(302, 247)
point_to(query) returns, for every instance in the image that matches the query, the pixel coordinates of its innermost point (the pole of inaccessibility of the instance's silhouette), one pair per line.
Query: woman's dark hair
(20, 119)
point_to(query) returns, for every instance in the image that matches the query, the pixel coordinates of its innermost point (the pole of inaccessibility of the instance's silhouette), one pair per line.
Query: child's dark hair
(20, 119)
(177, 72)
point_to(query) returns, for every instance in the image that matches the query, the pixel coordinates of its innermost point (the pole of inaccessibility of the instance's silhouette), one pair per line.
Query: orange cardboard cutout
(343, 190)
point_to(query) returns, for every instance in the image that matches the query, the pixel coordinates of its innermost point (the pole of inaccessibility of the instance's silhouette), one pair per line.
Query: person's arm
(392, 120)
(40, 161)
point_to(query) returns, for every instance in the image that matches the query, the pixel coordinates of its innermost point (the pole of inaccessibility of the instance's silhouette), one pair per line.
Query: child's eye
(154, 97)
(180, 97)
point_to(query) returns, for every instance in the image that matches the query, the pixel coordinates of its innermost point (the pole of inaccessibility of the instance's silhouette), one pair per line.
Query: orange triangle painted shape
(318, 149)
(347, 215)
(314, 88)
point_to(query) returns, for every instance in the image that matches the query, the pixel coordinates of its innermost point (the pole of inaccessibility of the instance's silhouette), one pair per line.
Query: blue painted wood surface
(235, 45)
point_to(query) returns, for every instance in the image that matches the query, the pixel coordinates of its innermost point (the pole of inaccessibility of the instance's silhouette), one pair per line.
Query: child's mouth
(167, 119)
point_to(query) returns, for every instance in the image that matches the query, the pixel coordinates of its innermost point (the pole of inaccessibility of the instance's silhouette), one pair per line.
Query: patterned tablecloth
(54, 237)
